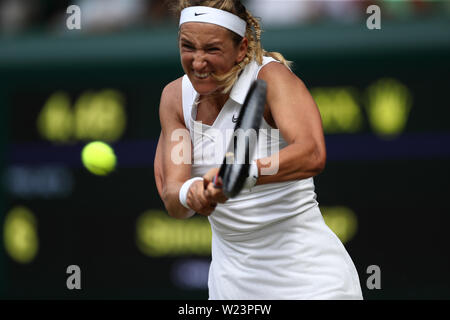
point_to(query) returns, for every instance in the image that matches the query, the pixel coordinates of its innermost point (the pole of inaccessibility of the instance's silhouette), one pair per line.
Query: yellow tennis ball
(99, 158)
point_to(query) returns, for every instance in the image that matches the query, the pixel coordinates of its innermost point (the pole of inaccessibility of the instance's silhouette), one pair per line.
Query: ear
(243, 47)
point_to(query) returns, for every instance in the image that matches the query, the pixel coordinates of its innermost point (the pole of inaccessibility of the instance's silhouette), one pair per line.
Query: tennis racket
(234, 174)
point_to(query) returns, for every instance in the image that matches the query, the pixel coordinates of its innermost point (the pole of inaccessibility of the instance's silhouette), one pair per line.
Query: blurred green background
(382, 94)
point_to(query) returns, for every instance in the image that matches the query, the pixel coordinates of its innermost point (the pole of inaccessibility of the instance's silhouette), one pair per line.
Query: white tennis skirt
(299, 258)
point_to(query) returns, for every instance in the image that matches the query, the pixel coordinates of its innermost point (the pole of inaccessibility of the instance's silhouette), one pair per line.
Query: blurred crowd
(110, 15)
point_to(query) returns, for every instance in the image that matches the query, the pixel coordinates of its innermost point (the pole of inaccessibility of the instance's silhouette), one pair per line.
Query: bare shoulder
(171, 100)
(172, 91)
(277, 73)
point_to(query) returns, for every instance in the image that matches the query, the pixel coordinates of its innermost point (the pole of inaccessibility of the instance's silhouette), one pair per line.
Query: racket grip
(215, 181)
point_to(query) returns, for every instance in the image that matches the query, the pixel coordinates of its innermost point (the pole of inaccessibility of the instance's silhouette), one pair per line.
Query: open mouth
(202, 75)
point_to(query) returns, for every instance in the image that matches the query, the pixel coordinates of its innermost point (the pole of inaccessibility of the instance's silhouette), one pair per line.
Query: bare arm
(157, 166)
(170, 175)
(298, 119)
(173, 159)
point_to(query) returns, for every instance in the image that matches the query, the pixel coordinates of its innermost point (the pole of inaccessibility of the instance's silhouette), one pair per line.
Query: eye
(213, 49)
(187, 46)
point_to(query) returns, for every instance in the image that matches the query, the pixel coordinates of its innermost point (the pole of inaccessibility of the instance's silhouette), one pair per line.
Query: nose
(199, 61)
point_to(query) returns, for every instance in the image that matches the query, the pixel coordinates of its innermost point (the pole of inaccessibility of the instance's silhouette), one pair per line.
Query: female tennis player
(270, 241)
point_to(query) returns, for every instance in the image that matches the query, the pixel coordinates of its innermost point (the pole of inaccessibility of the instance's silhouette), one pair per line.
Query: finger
(196, 199)
(207, 211)
(206, 201)
(205, 183)
(208, 204)
(203, 207)
(211, 193)
(215, 194)
(209, 176)
(200, 200)
(192, 202)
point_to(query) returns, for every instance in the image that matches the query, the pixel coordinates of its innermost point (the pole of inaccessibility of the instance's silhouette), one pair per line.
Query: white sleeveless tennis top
(270, 242)
(264, 204)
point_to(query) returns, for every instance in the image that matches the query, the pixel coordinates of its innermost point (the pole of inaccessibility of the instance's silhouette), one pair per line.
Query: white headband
(214, 16)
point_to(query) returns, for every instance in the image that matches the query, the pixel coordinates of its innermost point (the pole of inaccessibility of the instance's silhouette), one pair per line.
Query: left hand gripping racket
(233, 174)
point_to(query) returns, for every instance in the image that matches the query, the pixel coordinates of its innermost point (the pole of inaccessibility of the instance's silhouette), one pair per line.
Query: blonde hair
(253, 34)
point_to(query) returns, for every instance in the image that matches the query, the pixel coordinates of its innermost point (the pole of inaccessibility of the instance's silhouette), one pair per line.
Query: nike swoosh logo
(234, 119)
(199, 14)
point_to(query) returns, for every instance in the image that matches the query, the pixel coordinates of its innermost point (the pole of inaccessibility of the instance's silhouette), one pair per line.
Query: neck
(217, 100)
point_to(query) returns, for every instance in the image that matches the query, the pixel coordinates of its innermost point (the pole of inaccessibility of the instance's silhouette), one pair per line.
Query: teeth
(201, 75)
